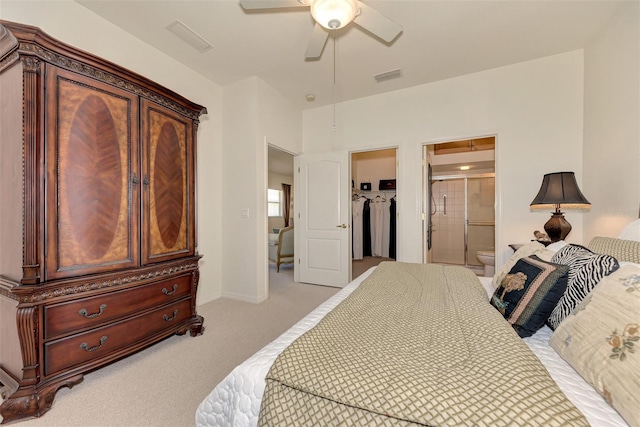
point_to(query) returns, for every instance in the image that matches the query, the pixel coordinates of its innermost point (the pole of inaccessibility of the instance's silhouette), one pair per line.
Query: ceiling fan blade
(377, 24)
(317, 42)
(271, 4)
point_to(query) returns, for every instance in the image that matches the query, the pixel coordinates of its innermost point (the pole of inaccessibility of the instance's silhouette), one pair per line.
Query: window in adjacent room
(274, 202)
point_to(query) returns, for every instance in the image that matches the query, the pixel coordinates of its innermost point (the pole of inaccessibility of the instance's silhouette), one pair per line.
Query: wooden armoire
(98, 254)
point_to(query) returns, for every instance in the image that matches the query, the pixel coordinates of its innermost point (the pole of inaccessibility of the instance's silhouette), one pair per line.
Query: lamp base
(557, 228)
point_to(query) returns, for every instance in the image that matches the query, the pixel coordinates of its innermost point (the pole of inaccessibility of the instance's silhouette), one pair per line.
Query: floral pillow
(600, 340)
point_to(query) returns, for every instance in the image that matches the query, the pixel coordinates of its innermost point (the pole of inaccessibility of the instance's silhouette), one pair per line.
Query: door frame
(398, 188)
(262, 213)
(425, 192)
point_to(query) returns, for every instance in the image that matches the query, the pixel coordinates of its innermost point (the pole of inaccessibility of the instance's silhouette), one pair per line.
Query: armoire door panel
(168, 180)
(91, 169)
(90, 181)
(168, 197)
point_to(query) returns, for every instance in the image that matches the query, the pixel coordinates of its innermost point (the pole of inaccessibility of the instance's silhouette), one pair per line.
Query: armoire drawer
(97, 343)
(71, 316)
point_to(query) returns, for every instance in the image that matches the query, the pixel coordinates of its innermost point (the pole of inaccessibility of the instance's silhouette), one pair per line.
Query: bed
(237, 400)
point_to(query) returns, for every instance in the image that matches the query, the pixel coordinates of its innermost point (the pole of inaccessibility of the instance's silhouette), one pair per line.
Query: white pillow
(623, 263)
(556, 246)
(631, 231)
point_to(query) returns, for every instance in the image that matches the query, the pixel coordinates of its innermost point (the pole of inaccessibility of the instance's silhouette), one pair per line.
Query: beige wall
(372, 166)
(534, 108)
(612, 125)
(73, 24)
(254, 116)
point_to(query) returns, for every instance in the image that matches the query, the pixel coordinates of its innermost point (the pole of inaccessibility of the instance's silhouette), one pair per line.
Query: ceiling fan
(332, 15)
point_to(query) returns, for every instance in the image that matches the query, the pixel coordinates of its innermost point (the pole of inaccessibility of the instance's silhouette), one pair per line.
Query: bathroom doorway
(460, 208)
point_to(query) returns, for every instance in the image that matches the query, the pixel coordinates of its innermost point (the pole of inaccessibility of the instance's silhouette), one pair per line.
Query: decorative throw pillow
(586, 269)
(600, 340)
(529, 292)
(622, 250)
(531, 248)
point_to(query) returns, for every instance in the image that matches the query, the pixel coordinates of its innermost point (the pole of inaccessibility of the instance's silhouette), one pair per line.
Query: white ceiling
(441, 39)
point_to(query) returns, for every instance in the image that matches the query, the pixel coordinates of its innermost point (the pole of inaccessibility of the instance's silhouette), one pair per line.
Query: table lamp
(559, 190)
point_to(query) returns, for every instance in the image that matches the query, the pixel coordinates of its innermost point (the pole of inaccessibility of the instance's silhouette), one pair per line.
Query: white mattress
(235, 402)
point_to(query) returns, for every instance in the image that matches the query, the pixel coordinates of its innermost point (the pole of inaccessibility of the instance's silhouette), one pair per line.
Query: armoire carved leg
(27, 325)
(24, 399)
(197, 328)
(27, 402)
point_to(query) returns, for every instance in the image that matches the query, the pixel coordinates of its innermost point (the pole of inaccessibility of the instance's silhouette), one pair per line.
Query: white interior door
(322, 224)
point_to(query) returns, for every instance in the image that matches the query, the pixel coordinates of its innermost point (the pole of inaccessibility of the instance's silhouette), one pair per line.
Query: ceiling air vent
(189, 36)
(393, 74)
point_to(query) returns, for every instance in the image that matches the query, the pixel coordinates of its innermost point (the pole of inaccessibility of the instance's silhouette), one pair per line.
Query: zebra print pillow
(586, 269)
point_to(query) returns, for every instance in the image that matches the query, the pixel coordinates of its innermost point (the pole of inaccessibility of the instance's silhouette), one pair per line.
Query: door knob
(342, 226)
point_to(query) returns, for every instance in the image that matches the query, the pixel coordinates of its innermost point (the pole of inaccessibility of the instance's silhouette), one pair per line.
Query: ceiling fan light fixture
(334, 14)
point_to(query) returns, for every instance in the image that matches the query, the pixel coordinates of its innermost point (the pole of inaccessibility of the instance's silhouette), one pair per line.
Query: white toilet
(488, 258)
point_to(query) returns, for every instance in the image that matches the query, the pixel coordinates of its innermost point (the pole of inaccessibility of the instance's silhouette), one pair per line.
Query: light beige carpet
(164, 384)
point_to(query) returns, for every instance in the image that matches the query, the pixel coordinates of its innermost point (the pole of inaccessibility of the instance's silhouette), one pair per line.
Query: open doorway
(280, 215)
(373, 208)
(459, 191)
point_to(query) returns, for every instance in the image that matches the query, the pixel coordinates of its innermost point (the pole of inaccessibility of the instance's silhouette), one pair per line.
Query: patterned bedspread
(414, 344)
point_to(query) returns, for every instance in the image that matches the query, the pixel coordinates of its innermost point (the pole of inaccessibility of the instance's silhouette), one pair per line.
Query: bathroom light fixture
(334, 14)
(559, 190)
(465, 168)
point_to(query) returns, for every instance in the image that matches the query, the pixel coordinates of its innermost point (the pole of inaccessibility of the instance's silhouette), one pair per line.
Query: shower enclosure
(462, 218)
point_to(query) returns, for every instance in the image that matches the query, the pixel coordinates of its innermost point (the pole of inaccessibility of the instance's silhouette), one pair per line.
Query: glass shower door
(480, 217)
(448, 221)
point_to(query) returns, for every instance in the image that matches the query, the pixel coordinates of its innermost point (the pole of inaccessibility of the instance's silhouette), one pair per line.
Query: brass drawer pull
(83, 312)
(169, 319)
(167, 292)
(86, 347)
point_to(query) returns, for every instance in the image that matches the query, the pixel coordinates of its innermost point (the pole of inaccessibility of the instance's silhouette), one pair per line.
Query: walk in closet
(373, 207)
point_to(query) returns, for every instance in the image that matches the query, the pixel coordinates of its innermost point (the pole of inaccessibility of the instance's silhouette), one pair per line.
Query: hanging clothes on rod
(380, 226)
(374, 226)
(357, 209)
(366, 228)
(392, 231)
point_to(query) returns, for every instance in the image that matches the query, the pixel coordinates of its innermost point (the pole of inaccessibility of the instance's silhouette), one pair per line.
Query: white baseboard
(245, 298)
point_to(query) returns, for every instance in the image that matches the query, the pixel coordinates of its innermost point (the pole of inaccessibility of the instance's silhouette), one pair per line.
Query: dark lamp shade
(559, 189)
